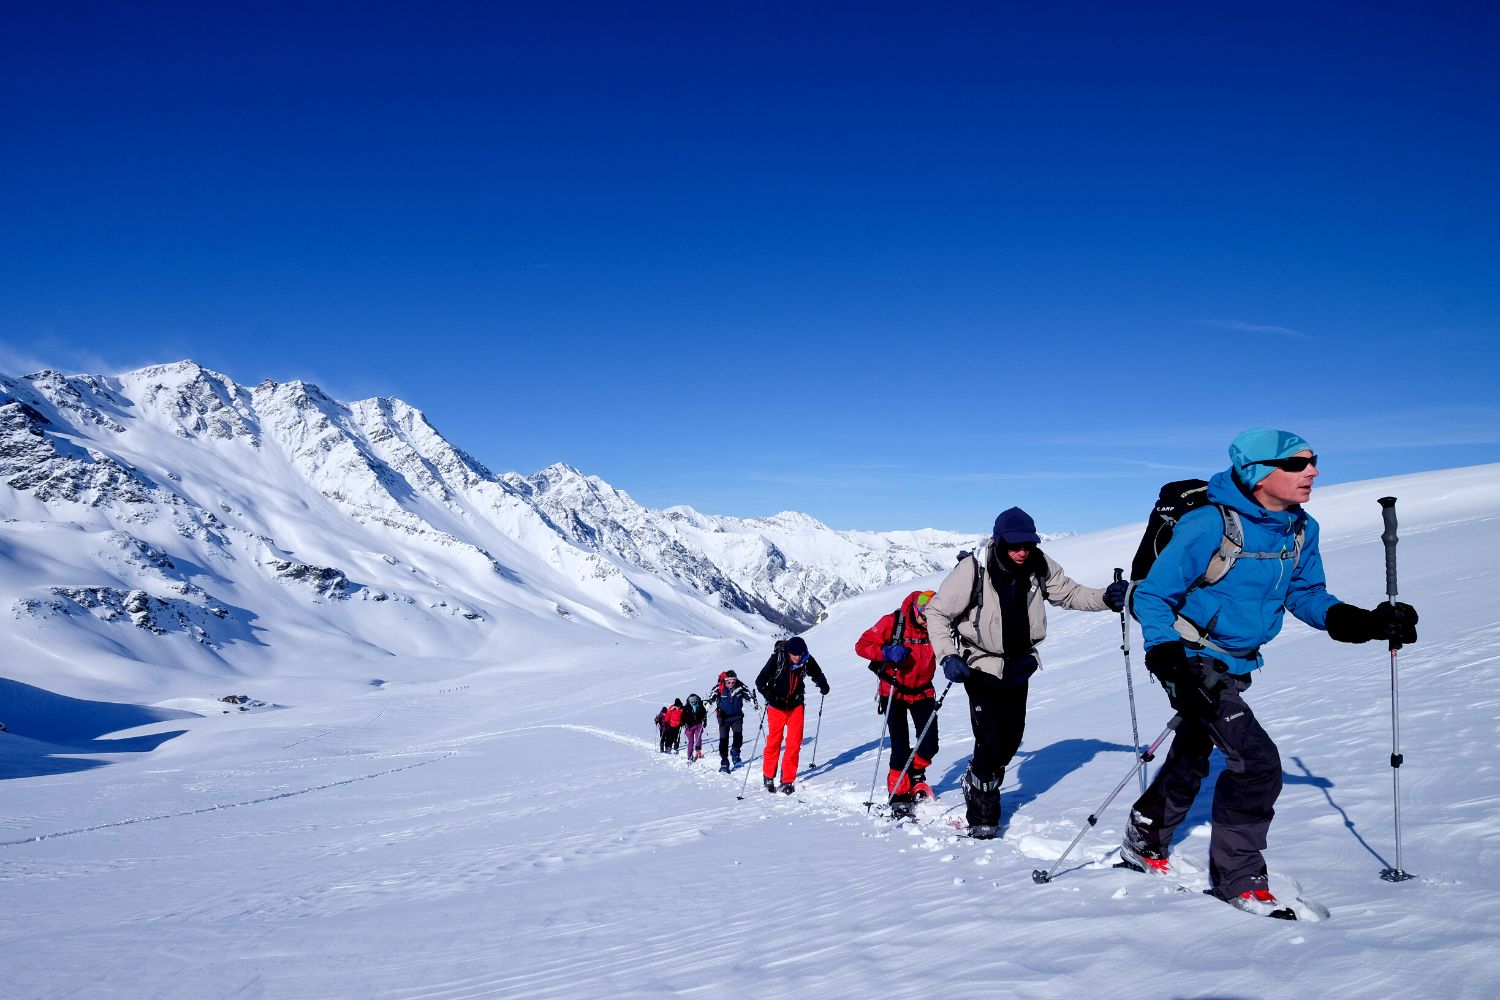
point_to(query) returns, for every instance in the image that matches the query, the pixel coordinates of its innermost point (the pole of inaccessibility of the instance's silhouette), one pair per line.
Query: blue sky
(892, 266)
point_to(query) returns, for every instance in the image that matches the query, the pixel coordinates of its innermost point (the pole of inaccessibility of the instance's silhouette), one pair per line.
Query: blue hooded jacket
(1246, 607)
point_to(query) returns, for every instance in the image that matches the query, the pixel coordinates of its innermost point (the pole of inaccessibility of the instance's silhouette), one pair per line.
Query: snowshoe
(920, 789)
(1261, 903)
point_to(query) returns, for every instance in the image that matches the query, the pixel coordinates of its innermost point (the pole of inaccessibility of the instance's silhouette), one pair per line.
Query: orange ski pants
(776, 720)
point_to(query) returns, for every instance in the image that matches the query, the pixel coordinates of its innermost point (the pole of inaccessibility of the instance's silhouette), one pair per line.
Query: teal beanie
(1261, 444)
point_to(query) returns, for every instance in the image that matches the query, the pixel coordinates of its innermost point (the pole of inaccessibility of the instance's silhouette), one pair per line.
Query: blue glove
(955, 669)
(1114, 595)
(895, 653)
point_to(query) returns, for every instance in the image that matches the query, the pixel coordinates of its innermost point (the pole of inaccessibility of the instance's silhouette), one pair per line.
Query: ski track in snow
(218, 807)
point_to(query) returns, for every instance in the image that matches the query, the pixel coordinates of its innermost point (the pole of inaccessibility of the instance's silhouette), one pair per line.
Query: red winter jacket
(913, 673)
(674, 716)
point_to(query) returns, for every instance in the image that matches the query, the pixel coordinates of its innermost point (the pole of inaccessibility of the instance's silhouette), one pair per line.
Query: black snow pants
(1244, 796)
(727, 727)
(997, 711)
(901, 735)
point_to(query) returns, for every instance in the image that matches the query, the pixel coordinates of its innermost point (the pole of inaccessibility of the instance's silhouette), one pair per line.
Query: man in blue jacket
(1203, 639)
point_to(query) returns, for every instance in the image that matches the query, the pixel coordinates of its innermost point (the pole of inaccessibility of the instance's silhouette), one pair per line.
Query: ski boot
(770, 784)
(920, 789)
(1137, 851)
(787, 788)
(903, 807)
(724, 766)
(982, 805)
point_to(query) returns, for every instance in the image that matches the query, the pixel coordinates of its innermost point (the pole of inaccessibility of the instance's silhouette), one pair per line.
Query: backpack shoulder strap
(976, 593)
(898, 630)
(1231, 545)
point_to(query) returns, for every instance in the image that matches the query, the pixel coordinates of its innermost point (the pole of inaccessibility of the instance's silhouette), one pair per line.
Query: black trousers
(728, 727)
(1244, 796)
(919, 712)
(997, 711)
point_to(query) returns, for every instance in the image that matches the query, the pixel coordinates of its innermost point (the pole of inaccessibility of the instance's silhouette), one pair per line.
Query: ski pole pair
(911, 757)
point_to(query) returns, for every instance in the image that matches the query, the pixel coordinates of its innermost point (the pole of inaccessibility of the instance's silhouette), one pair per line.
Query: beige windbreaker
(979, 642)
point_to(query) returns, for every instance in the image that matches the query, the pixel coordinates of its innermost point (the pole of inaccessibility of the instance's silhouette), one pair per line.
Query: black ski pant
(920, 712)
(1244, 796)
(731, 727)
(997, 711)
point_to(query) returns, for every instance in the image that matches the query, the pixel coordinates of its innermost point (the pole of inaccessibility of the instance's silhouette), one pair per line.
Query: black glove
(882, 702)
(823, 690)
(955, 669)
(1114, 595)
(1395, 623)
(1185, 685)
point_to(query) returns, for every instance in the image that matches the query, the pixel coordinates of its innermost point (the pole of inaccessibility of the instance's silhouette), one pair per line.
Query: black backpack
(1175, 500)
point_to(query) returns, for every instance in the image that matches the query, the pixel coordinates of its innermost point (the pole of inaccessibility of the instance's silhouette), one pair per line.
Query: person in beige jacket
(985, 623)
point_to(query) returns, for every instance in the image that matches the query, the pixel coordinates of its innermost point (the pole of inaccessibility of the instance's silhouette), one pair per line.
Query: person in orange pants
(782, 682)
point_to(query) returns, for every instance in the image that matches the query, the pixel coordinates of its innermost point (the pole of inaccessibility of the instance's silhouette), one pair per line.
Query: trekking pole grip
(1119, 574)
(1388, 512)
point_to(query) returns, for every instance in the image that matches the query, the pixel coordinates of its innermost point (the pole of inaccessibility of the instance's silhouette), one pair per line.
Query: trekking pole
(885, 721)
(746, 784)
(1388, 536)
(1135, 732)
(1043, 877)
(818, 731)
(913, 755)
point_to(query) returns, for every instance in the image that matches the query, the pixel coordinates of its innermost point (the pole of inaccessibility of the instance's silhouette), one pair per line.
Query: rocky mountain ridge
(173, 482)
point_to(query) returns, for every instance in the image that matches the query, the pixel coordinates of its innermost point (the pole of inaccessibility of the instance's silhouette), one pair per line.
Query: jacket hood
(1224, 489)
(909, 607)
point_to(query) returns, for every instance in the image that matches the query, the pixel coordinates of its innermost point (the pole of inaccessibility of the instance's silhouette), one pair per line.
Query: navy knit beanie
(795, 646)
(1015, 525)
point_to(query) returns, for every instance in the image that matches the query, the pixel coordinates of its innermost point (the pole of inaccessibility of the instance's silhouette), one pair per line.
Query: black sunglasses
(1297, 463)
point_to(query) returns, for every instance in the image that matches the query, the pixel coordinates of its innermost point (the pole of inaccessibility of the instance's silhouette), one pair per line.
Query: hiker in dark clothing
(694, 718)
(728, 699)
(661, 730)
(781, 682)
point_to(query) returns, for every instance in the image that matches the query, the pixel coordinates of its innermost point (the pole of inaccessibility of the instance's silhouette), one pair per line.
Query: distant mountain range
(173, 501)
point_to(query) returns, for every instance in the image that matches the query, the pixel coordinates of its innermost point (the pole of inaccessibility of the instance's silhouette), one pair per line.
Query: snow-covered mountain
(177, 518)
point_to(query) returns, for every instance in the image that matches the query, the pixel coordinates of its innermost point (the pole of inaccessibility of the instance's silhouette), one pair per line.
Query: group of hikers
(1241, 554)
(781, 683)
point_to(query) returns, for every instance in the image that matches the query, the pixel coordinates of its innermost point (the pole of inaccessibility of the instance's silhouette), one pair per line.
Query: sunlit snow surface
(445, 823)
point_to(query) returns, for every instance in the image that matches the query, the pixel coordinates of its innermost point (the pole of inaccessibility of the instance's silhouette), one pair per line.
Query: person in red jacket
(900, 654)
(661, 730)
(674, 725)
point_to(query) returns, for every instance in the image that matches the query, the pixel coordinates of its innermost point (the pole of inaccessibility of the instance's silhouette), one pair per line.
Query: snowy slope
(510, 831)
